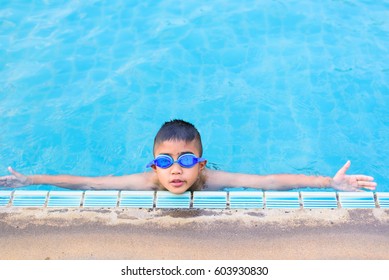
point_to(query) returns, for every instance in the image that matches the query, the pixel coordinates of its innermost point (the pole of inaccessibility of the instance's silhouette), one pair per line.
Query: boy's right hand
(343, 182)
(15, 180)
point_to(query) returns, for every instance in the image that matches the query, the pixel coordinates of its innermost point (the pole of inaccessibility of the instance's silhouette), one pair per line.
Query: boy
(178, 167)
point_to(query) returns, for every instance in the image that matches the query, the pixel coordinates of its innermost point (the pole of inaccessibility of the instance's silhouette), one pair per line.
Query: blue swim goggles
(185, 161)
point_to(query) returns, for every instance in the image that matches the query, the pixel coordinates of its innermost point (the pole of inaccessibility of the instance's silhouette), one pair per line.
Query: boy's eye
(187, 159)
(164, 161)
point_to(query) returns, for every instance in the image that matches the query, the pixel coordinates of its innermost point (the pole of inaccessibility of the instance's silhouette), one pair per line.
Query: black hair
(178, 130)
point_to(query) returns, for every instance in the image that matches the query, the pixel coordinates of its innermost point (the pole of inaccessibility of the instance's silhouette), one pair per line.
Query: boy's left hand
(343, 182)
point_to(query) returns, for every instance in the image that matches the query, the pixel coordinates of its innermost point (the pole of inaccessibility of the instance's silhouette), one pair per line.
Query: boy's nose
(176, 168)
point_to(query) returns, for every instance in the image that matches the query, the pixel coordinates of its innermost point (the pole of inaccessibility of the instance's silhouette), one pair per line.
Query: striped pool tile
(167, 199)
(137, 199)
(5, 197)
(356, 199)
(319, 200)
(29, 198)
(383, 199)
(101, 198)
(209, 199)
(65, 199)
(246, 199)
(201, 199)
(278, 199)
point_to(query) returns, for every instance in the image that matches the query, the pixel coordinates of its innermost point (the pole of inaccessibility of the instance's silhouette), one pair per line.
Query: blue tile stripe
(29, 198)
(5, 197)
(313, 200)
(289, 200)
(101, 198)
(383, 199)
(209, 199)
(167, 199)
(246, 199)
(65, 199)
(356, 199)
(200, 199)
(137, 199)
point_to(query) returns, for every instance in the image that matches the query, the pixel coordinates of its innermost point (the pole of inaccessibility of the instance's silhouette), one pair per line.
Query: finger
(366, 184)
(363, 178)
(10, 169)
(13, 172)
(344, 168)
(366, 189)
(5, 181)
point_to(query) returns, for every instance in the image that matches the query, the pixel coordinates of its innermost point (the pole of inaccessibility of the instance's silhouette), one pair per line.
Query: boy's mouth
(176, 183)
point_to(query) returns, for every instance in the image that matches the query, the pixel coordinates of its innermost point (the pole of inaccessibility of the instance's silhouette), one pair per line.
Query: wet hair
(178, 130)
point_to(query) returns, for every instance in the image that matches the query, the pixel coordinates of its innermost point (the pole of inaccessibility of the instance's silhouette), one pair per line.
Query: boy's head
(178, 130)
(177, 152)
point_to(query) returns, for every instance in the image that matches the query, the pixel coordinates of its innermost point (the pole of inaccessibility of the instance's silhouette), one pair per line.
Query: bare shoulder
(151, 180)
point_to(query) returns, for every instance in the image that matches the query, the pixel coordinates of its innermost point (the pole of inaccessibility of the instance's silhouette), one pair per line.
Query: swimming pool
(273, 86)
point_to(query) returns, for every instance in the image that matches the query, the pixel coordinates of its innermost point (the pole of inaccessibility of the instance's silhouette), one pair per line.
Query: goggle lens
(163, 162)
(185, 161)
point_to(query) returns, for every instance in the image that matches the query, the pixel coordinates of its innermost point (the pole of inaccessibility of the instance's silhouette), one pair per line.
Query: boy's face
(176, 178)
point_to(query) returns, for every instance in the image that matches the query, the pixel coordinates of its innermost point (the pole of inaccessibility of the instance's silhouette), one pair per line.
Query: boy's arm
(217, 180)
(140, 181)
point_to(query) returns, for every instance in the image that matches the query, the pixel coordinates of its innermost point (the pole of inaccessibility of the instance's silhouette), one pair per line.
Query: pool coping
(297, 225)
(136, 233)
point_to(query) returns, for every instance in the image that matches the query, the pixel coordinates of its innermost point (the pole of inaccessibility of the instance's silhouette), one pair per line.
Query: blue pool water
(272, 86)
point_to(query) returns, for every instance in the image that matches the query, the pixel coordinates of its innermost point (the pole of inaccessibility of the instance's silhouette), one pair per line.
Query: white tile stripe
(137, 199)
(101, 198)
(65, 198)
(200, 199)
(209, 199)
(29, 198)
(246, 199)
(356, 199)
(279, 200)
(5, 198)
(319, 200)
(165, 199)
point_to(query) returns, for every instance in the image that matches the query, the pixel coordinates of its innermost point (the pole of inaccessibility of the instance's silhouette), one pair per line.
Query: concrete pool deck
(193, 234)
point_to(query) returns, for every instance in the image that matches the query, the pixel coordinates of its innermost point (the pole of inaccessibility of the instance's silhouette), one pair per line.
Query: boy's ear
(154, 168)
(203, 164)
